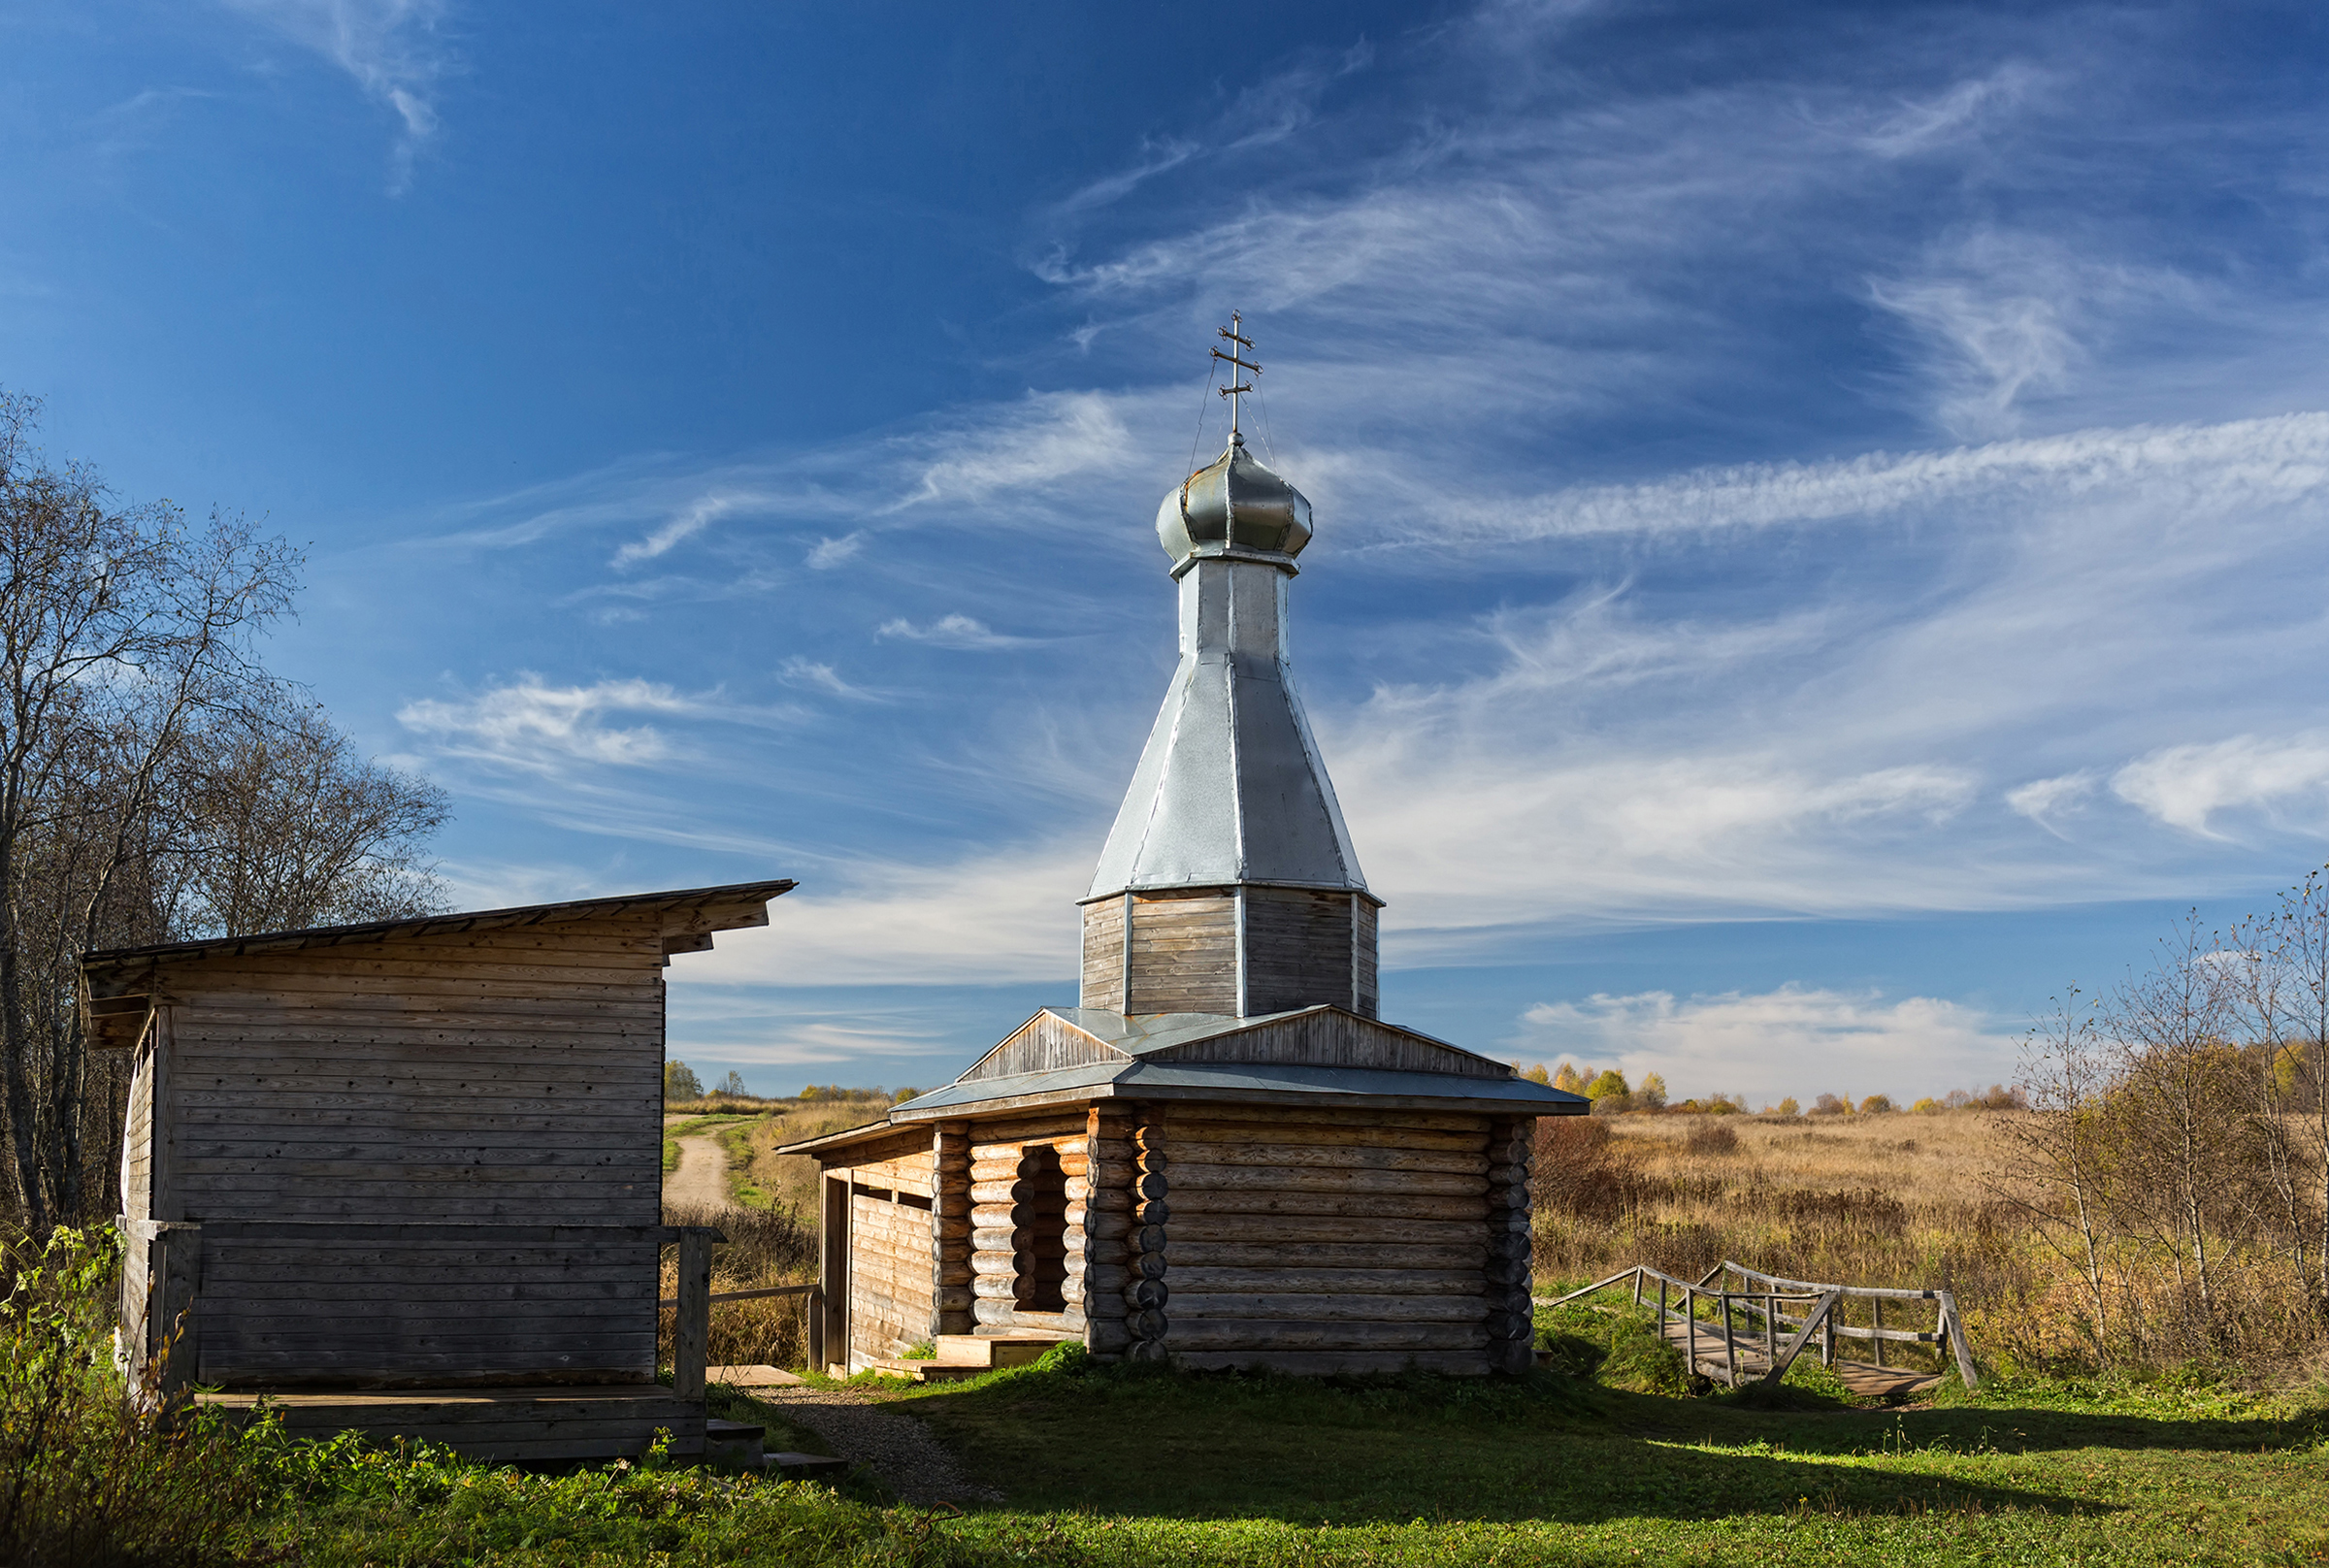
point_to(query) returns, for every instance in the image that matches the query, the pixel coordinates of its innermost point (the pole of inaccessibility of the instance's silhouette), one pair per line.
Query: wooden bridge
(1754, 1332)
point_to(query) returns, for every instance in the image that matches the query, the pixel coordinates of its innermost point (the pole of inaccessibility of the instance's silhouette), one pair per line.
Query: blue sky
(1822, 509)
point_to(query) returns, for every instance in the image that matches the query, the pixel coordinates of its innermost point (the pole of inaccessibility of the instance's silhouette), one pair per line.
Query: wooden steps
(969, 1356)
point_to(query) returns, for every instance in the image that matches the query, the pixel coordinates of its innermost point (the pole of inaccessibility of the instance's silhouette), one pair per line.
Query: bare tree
(2297, 1062)
(2060, 1158)
(2183, 1139)
(155, 781)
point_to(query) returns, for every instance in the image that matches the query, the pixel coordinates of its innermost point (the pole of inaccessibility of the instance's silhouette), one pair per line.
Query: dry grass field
(1900, 1199)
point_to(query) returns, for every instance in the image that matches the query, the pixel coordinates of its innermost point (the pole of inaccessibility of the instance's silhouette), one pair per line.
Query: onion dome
(1234, 507)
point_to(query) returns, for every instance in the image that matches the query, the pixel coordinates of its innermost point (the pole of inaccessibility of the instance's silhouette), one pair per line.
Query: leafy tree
(1832, 1105)
(734, 1084)
(1538, 1075)
(1568, 1079)
(1652, 1095)
(680, 1082)
(1788, 1107)
(1877, 1106)
(1609, 1083)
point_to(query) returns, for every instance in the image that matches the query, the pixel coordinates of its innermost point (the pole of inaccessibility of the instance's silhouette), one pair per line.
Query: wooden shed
(406, 1177)
(1222, 1155)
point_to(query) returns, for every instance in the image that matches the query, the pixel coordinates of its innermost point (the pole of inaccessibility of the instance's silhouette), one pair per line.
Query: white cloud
(952, 632)
(1792, 1041)
(828, 554)
(1962, 114)
(532, 725)
(2042, 799)
(981, 920)
(2186, 786)
(390, 48)
(810, 675)
(2241, 463)
(688, 522)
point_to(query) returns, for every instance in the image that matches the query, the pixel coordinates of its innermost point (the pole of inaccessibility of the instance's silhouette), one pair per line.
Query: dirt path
(702, 1179)
(898, 1448)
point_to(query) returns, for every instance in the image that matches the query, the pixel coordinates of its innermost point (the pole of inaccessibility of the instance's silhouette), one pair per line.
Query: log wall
(1029, 1196)
(1326, 1241)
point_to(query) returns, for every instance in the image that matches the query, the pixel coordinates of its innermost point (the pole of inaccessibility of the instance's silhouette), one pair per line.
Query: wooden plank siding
(1184, 952)
(427, 1159)
(1333, 1040)
(1044, 1043)
(891, 1279)
(1102, 984)
(1299, 949)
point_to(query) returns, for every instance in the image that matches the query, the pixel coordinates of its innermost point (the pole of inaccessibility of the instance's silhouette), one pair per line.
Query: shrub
(1877, 1106)
(1711, 1139)
(88, 1475)
(1831, 1105)
(1788, 1107)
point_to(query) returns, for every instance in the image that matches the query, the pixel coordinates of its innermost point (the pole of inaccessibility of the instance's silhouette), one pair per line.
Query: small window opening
(1041, 1220)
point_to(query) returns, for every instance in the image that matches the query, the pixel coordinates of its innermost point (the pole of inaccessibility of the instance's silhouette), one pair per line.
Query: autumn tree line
(1612, 1095)
(158, 783)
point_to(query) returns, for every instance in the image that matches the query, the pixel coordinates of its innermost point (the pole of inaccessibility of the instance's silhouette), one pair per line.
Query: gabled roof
(1316, 1057)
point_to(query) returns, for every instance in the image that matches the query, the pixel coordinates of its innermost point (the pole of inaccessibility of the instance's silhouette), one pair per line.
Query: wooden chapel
(1221, 1156)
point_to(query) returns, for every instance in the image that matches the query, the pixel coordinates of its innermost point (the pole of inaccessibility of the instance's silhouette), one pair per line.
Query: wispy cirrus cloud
(536, 726)
(392, 50)
(964, 632)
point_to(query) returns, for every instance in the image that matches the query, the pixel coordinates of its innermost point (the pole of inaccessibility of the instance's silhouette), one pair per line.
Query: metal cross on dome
(1237, 389)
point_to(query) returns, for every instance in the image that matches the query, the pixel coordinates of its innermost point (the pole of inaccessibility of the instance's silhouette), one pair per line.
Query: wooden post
(693, 1335)
(1955, 1328)
(1661, 1305)
(1823, 1314)
(1689, 1316)
(1771, 1330)
(1827, 1341)
(1731, 1341)
(829, 1340)
(177, 1285)
(1877, 1305)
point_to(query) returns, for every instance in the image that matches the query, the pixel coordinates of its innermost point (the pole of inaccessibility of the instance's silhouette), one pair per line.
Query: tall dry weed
(90, 1474)
(764, 1247)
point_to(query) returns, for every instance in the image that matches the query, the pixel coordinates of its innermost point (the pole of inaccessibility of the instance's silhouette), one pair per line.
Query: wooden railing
(690, 1337)
(1766, 1315)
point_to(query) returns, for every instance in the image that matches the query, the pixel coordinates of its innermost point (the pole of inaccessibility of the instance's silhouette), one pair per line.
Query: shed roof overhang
(117, 984)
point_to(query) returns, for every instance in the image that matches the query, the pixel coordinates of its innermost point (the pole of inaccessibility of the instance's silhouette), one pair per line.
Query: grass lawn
(1556, 1469)
(1591, 1463)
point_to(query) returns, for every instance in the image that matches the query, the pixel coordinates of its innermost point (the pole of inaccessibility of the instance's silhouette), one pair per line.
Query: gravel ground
(702, 1179)
(896, 1446)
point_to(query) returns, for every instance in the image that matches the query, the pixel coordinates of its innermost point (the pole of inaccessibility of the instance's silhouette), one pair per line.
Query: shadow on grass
(1544, 1448)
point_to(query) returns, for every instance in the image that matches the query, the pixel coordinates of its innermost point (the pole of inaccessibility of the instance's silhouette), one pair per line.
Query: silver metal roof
(1231, 788)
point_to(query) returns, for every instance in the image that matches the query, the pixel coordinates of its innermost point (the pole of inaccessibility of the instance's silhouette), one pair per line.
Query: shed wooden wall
(429, 1158)
(136, 1204)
